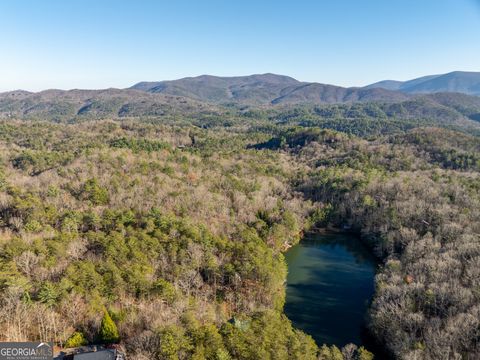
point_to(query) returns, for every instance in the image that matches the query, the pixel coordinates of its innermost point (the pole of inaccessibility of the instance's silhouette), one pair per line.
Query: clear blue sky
(105, 43)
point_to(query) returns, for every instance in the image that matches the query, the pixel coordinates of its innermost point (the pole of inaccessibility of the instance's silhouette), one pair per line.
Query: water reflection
(330, 282)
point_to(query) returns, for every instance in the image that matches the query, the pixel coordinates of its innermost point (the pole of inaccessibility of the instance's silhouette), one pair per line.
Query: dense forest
(166, 232)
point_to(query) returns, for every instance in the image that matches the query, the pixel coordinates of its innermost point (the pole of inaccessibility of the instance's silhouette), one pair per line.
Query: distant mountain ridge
(457, 81)
(213, 96)
(262, 89)
(61, 105)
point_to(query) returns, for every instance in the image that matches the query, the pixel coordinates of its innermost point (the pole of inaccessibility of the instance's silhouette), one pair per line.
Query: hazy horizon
(97, 45)
(215, 75)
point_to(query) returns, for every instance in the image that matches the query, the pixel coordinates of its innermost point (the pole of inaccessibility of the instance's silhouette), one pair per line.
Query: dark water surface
(329, 285)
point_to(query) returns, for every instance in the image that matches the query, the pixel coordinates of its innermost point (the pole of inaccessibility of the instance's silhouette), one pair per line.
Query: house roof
(97, 355)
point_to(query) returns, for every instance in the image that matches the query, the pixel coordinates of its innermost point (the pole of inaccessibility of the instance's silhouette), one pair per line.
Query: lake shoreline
(343, 248)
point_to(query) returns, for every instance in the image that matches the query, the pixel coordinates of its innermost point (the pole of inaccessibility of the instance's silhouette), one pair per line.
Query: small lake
(329, 285)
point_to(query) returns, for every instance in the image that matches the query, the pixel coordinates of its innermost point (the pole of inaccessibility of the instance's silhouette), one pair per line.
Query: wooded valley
(166, 232)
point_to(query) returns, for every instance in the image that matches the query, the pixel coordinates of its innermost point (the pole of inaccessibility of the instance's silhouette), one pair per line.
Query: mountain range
(457, 81)
(265, 89)
(279, 89)
(438, 98)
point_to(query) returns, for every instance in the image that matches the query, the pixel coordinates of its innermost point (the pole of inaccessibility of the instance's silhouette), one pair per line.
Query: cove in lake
(329, 285)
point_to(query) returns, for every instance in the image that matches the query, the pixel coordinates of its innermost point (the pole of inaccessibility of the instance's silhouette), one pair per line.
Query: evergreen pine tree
(108, 330)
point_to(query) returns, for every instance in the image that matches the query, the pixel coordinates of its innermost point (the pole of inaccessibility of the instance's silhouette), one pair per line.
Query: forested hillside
(173, 227)
(176, 232)
(415, 199)
(371, 116)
